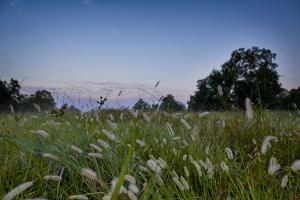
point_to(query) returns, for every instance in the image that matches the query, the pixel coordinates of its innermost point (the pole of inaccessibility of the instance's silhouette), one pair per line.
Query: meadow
(122, 154)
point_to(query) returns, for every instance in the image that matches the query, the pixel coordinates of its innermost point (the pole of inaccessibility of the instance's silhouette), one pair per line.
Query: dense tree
(43, 98)
(10, 94)
(70, 108)
(248, 73)
(293, 99)
(170, 104)
(141, 105)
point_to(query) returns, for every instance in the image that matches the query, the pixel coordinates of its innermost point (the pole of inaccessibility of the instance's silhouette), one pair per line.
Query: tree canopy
(170, 104)
(141, 105)
(10, 95)
(248, 73)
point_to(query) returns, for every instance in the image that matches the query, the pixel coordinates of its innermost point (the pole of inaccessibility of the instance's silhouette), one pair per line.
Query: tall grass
(187, 149)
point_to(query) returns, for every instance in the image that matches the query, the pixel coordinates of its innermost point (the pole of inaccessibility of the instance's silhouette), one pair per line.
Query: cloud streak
(88, 92)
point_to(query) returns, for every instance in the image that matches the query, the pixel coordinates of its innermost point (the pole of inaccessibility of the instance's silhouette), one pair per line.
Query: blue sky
(98, 44)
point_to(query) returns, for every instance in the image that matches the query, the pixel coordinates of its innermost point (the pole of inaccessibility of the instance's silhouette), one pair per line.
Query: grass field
(164, 156)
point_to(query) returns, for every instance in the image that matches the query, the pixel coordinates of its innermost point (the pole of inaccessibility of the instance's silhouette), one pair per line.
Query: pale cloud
(88, 92)
(17, 4)
(86, 2)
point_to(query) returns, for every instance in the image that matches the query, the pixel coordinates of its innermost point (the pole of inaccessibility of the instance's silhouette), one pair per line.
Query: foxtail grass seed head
(174, 151)
(187, 116)
(164, 140)
(295, 166)
(220, 90)
(153, 165)
(146, 118)
(144, 169)
(203, 164)
(186, 171)
(110, 135)
(77, 149)
(89, 173)
(176, 138)
(52, 178)
(248, 107)
(96, 148)
(112, 125)
(229, 153)
(184, 157)
(178, 183)
(121, 116)
(133, 188)
(267, 143)
(79, 197)
(177, 115)
(107, 196)
(130, 179)
(284, 181)
(41, 133)
(12, 110)
(274, 166)
(159, 179)
(140, 142)
(131, 195)
(203, 114)
(184, 183)
(224, 167)
(169, 129)
(95, 155)
(17, 190)
(161, 162)
(157, 83)
(111, 117)
(134, 113)
(210, 169)
(103, 143)
(185, 123)
(198, 168)
(37, 107)
(50, 156)
(174, 173)
(206, 150)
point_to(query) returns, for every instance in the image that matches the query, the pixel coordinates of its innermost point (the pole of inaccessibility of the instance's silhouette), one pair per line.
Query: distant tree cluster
(11, 97)
(168, 103)
(248, 73)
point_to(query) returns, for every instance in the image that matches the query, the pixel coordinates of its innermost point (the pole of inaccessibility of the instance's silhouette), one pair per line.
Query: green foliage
(21, 154)
(248, 73)
(10, 95)
(294, 98)
(141, 105)
(170, 104)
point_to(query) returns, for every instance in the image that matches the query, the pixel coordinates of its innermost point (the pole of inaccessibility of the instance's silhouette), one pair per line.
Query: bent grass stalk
(115, 193)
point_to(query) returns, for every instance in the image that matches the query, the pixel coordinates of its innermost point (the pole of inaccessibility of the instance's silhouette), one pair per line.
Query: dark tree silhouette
(141, 105)
(248, 73)
(10, 94)
(170, 104)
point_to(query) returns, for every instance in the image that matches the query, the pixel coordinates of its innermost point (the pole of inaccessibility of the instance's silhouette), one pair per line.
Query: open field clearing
(150, 155)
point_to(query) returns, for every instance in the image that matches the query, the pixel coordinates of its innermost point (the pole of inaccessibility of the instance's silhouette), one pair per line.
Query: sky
(88, 48)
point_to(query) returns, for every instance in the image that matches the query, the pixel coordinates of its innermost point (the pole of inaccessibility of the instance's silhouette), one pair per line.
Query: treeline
(248, 73)
(12, 100)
